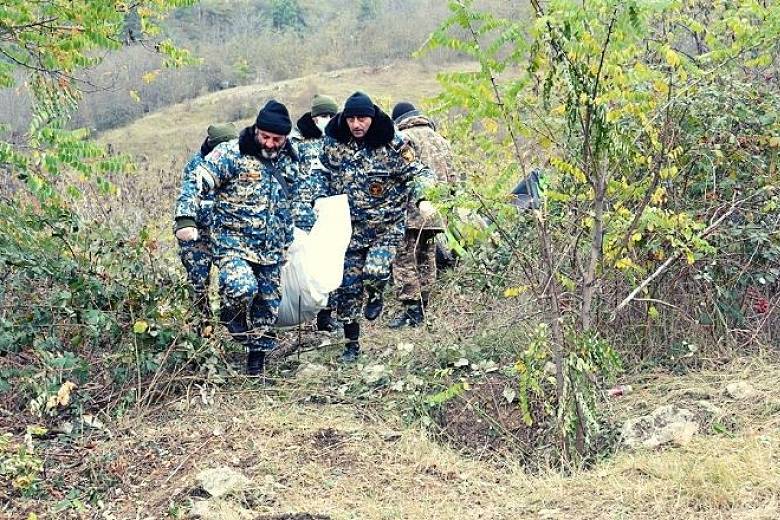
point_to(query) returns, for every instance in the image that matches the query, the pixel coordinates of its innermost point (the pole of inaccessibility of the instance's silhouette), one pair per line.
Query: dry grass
(352, 461)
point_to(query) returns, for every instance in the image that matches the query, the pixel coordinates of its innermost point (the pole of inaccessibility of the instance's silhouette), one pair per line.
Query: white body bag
(315, 262)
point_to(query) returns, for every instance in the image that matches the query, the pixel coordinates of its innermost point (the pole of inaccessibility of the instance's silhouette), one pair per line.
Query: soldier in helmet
(251, 179)
(377, 168)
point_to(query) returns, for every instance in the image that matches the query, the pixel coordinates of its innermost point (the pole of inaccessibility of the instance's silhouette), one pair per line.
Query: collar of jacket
(414, 118)
(206, 148)
(247, 145)
(380, 133)
(307, 127)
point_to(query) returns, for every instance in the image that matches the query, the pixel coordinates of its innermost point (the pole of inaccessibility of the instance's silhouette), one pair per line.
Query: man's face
(359, 125)
(270, 143)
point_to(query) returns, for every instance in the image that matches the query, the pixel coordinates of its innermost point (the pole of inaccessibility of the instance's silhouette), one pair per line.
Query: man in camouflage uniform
(308, 141)
(196, 255)
(414, 270)
(364, 158)
(252, 226)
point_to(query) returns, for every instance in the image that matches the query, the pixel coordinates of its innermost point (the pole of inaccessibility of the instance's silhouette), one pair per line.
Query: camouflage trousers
(250, 295)
(364, 268)
(414, 270)
(197, 259)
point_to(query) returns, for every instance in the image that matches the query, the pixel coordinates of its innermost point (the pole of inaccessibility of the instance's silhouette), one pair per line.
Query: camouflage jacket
(434, 151)
(310, 184)
(252, 216)
(205, 204)
(379, 175)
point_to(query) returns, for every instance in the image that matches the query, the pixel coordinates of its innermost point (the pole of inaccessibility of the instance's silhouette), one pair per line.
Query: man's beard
(269, 153)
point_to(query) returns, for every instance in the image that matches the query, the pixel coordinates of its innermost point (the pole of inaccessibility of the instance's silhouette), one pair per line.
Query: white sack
(315, 262)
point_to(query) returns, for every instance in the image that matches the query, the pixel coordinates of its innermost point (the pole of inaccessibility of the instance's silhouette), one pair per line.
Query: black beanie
(359, 105)
(274, 118)
(402, 108)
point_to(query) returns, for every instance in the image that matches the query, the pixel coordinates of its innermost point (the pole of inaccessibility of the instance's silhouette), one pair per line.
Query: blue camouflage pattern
(252, 227)
(365, 268)
(310, 184)
(378, 183)
(252, 214)
(196, 255)
(251, 296)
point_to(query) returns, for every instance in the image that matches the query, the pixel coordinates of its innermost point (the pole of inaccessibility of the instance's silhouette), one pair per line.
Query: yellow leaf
(62, 398)
(690, 258)
(491, 126)
(514, 292)
(140, 326)
(636, 237)
(624, 263)
(37, 430)
(661, 86)
(672, 58)
(659, 195)
(134, 95)
(150, 76)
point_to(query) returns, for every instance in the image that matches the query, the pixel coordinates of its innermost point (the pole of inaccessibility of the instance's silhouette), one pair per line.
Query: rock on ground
(222, 481)
(741, 390)
(666, 425)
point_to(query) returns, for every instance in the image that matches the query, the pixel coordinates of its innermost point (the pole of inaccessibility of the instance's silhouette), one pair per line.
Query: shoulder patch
(407, 153)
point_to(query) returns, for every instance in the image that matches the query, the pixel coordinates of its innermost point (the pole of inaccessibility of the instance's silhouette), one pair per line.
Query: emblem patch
(376, 189)
(407, 154)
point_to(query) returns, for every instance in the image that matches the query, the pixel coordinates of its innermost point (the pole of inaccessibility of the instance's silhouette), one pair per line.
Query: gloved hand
(187, 234)
(427, 211)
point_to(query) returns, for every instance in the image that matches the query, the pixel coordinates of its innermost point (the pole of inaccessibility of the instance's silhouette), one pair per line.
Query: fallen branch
(669, 261)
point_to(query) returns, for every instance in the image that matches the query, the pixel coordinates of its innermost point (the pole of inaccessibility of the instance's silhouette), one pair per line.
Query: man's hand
(427, 211)
(187, 234)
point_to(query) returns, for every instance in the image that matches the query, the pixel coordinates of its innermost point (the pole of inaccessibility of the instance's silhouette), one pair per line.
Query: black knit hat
(402, 108)
(359, 105)
(274, 118)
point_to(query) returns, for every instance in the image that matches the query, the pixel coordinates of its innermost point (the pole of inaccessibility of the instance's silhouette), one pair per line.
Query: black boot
(255, 362)
(326, 322)
(374, 305)
(412, 316)
(352, 350)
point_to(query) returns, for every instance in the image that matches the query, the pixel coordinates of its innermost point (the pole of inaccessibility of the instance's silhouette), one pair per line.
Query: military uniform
(379, 175)
(414, 270)
(196, 255)
(252, 229)
(310, 185)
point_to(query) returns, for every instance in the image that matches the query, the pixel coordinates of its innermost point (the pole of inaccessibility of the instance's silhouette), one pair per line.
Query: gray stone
(312, 370)
(222, 481)
(741, 390)
(665, 425)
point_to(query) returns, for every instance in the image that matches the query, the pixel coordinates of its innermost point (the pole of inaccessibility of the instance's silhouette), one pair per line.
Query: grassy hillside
(178, 130)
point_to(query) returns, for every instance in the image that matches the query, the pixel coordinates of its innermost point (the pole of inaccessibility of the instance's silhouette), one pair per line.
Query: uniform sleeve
(201, 176)
(188, 201)
(420, 176)
(323, 168)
